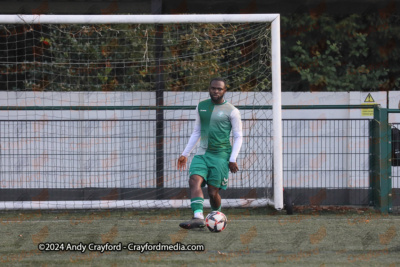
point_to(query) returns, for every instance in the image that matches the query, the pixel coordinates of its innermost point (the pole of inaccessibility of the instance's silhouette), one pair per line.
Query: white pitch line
(288, 221)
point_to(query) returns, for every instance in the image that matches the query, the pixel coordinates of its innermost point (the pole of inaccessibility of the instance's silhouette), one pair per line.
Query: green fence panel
(380, 161)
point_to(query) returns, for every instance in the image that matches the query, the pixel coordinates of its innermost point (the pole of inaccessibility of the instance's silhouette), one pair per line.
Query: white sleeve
(194, 138)
(236, 122)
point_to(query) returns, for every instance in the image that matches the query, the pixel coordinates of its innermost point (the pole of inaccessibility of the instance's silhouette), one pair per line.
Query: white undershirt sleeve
(236, 122)
(194, 138)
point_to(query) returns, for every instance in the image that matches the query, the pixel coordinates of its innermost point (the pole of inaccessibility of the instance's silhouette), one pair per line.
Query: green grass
(253, 237)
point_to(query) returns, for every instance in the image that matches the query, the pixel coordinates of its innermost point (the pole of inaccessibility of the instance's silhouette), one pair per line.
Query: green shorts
(214, 169)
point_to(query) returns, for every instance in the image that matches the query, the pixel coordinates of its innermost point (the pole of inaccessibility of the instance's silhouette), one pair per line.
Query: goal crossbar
(135, 19)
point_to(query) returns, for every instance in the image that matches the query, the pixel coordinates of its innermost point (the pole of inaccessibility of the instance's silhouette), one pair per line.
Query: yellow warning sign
(369, 98)
(368, 101)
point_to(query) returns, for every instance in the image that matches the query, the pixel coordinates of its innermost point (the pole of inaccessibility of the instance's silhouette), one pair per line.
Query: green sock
(216, 209)
(197, 204)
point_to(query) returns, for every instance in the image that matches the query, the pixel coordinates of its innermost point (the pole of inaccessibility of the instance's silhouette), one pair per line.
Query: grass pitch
(253, 237)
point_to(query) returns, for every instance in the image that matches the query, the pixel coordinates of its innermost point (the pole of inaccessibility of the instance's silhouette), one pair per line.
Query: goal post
(277, 112)
(52, 101)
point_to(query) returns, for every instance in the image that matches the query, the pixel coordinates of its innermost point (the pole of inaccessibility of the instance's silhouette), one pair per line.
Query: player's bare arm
(182, 163)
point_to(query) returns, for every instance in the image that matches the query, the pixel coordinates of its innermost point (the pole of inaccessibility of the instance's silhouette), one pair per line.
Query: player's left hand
(233, 167)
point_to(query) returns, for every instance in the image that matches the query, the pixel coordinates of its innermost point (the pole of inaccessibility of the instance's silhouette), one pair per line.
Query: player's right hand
(182, 163)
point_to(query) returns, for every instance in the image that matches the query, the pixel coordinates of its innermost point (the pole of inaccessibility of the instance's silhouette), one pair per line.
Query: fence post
(380, 161)
(157, 8)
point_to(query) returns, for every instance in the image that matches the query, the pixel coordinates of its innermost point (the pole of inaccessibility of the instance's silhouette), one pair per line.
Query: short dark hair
(218, 79)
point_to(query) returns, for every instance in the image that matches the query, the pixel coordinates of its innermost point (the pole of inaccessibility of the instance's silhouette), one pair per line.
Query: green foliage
(123, 57)
(209, 50)
(320, 52)
(98, 57)
(326, 53)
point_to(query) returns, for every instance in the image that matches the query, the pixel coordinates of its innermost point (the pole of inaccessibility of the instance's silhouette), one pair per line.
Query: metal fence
(395, 165)
(325, 161)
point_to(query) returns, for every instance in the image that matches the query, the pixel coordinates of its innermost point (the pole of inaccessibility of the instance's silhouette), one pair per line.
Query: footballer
(215, 119)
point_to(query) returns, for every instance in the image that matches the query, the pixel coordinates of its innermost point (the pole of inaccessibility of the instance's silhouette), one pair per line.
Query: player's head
(218, 79)
(217, 90)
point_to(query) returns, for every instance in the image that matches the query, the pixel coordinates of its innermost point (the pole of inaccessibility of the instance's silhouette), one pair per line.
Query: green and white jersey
(213, 125)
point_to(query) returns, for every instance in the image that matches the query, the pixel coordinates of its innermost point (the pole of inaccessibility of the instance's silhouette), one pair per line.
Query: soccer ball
(216, 221)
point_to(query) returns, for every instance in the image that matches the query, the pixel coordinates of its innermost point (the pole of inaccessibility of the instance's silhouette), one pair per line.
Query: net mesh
(76, 100)
(122, 57)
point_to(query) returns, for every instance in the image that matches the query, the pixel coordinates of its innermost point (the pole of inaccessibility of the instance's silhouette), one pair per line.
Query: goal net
(96, 110)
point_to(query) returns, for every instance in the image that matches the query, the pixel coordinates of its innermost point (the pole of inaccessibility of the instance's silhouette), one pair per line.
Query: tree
(121, 57)
(348, 53)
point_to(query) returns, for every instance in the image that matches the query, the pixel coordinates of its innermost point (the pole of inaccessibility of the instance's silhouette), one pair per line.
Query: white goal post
(274, 19)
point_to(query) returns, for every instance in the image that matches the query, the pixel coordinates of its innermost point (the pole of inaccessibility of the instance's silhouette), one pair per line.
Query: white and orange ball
(216, 221)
